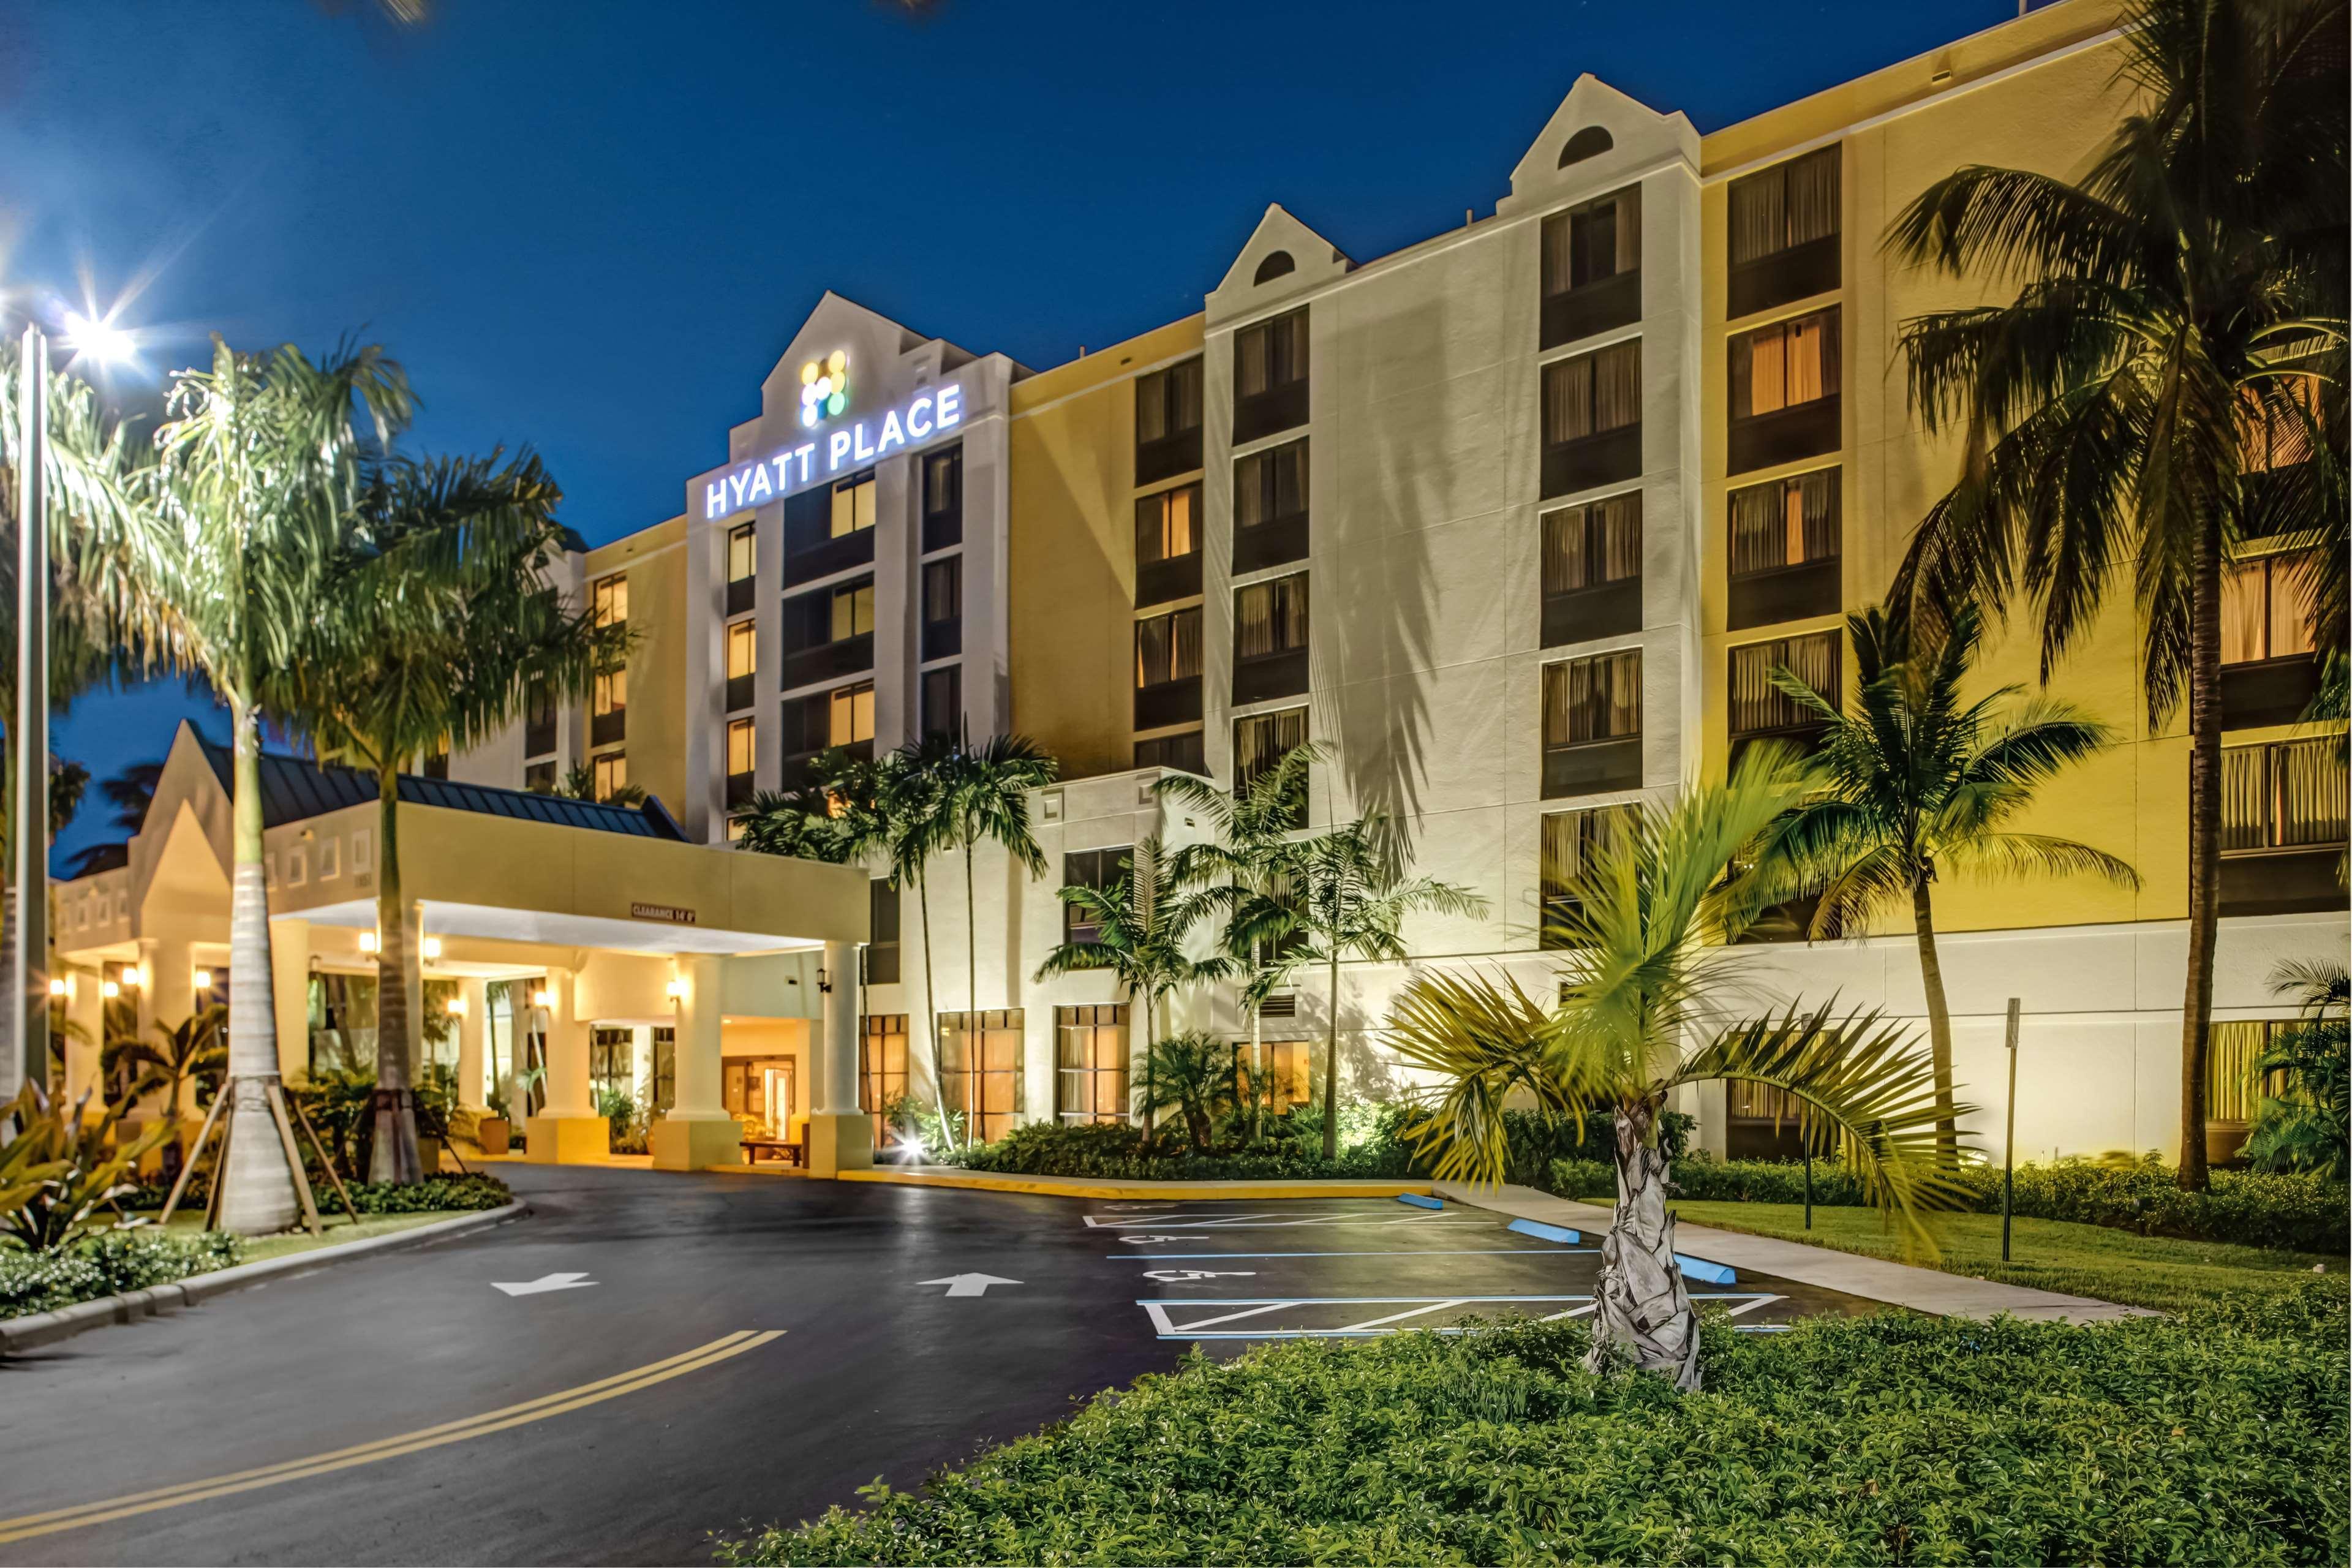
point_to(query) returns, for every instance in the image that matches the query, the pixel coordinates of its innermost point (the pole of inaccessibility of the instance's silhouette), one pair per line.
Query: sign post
(2009, 1142)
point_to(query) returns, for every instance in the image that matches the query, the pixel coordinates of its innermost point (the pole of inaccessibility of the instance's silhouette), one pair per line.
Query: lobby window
(742, 568)
(852, 506)
(1784, 549)
(1167, 668)
(665, 1053)
(612, 1061)
(742, 758)
(942, 702)
(1168, 421)
(981, 1068)
(1289, 1077)
(609, 775)
(1761, 710)
(742, 664)
(1591, 267)
(1593, 724)
(1090, 1063)
(1784, 392)
(1182, 752)
(539, 719)
(1270, 377)
(1260, 742)
(1270, 506)
(943, 607)
(850, 715)
(882, 921)
(1784, 225)
(1592, 570)
(1592, 419)
(608, 706)
(943, 498)
(611, 600)
(1096, 869)
(882, 1070)
(1573, 842)
(1270, 639)
(1167, 545)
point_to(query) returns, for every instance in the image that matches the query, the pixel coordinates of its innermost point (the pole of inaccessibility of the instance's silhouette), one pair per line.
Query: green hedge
(434, 1194)
(2218, 1437)
(2251, 1209)
(106, 1265)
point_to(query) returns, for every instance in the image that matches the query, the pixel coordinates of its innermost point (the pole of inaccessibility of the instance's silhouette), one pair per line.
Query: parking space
(1235, 1273)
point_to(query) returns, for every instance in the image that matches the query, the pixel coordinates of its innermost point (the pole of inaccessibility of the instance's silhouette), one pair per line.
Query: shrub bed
(434, 1194)
(2217, 1437)
(108, 1264)
(2250, 1208)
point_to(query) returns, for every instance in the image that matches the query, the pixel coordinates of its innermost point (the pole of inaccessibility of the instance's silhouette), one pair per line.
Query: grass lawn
(2048, 1254)
(338, 1228)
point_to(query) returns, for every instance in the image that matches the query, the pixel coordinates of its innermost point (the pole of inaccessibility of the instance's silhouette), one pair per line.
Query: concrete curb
(1089, 1187)
(47, 1327)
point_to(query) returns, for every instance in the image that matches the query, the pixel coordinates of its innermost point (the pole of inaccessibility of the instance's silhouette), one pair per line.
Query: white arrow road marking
(1180, 1276)
(544, 1282)
(968, 1284)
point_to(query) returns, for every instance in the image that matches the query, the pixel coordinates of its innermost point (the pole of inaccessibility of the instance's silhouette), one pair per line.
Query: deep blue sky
(592, 225)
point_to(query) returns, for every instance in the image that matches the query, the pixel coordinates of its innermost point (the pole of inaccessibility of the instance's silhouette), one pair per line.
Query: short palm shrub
(62, 1172)
(108, 1264)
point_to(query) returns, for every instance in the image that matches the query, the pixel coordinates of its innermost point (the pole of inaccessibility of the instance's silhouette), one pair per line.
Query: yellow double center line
(27, 1526)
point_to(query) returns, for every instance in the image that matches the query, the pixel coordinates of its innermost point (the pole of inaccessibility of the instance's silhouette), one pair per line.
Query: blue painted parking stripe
(1700, 1268)
(1418, 1201)
(1536, 1227)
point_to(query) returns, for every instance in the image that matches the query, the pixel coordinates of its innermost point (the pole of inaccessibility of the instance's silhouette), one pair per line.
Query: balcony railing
(538, 738)
(1786, 593)
(1608, 610)
(1274, 542)
(1785, 435)
(1603, 459)
(739, 790)
(1169, 456)
(742, 691)
(1160, 582)
(1269, 676)
(1592, 767)
(1264, 413)
(823, 558)
(1797, 273)
(943, 639)
(2268, 692)
(850, 656)
(795, 770)
(741, 594)
(1595, 307)
(603, 729)
(1171, 702)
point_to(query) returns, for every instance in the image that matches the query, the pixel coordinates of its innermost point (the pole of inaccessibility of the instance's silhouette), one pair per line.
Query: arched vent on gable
(1277, 264)
(1589, 143)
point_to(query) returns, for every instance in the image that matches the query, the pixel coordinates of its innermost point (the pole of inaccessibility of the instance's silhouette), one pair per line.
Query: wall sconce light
(676, 990)
(367, 941)
(58, 987)
(432, 948)
(543, 998)
(456, 1006)
(136, 975)
(202, 978)
(110, 990)
(824, 979)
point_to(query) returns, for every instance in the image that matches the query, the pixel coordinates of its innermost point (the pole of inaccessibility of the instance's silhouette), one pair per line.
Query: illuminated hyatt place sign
(927, 415)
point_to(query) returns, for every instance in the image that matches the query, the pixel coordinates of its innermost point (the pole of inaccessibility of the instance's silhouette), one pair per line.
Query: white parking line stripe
(1395, 1316)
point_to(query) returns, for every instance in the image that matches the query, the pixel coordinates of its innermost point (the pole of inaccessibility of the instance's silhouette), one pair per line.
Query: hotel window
(2231, 1089)
(742, 568)
(882, 1070)
(943, 607)
(1260, 742)
(1573, 842)
(850, 714)
(539, 778)
(1593, 724)
(612, 1061)
(2282, 826)
(2275, 431)
(610, 774)
(882, 923)
(1167, 545)
(1784, 549)
(1784, 227)
(1270, 506)
(608, 706)
(1168, 421)
(1167, 668)
(665, 1054)
(943, 498)
(437, 761)
(539, 719)
(1096, 869)
(1784, 392)
(2265, 609)
(1270, 377)
(742, 664)
(1183, 752)
(611, 600)
(852, 506)
(737, 826)
(1090, 1063)
(828, 633)
(1591, 267)
(1761, 709)
(1592, 570)
(1289, 1078)
(981, 1068)
(1592, 419)
(942, 702)
(1270, 639)
(742, 757)
(853, 612)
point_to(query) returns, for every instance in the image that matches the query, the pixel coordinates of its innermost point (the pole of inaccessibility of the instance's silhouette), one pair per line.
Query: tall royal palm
(1917, 783)
(2175, 345)
(987, 789)
(255, 489)
(1645, 993)
(915, 822)
(433, 624)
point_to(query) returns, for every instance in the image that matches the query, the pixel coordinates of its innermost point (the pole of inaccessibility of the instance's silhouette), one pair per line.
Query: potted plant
(493, 1131)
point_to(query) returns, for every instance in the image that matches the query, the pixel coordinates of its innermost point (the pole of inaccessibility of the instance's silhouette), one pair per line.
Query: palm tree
(1916, 783)
(987, 802)
(1143, 925)
(183, 1055)
(580, 783)
(1650, 915)
(255, 486)
(2178, 328)
(911, 822)
(1346, 893)
(433, 624)
(2303, 1123)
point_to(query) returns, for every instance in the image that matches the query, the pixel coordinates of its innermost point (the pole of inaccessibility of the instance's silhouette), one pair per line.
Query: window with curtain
(2233, 1048)
(943, 483)
(1784, 207)
(1270, 617)
(611, 775)
(1168, 647)
(943, 589)
(1168, 402)
(1573, 842)
(610, 693)
(1262, 740)
(742, 649)
(742, 553)
(1090, 1063)
(1271, 354)
(1784, 364)
(1588, 243)
(1270, 484)
(1585, 546)
(1758, 706)
(852, 505)
(1096, 869)
(1596, 698)
(852, 611)
(2282, 795)
(2264, 611)
(1592, 394)
(1168, 524)
(2275, 429)
(1785, 522)
(881, 1071)
(942, 702)
(612, 601)
(850, 714)
(981, 1068)
(741, 753)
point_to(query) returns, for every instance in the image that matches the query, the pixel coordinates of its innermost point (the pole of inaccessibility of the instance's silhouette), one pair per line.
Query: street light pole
(31, 726)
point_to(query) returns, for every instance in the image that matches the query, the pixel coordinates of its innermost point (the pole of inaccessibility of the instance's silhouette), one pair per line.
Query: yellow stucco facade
(653, 561)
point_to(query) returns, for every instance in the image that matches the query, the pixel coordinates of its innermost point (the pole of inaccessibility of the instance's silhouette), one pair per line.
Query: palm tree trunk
(1331, 1063)
(256, 1187)
(395, 1156)
(2204, 842)
(1641, 1302)
(1257, 1063)
(1939, 1022)
(12, 1032)
(970, 944)
(931, 1010)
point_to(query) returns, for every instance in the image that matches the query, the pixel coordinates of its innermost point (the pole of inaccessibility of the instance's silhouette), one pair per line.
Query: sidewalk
(1872, 1279)
(1107, 1187)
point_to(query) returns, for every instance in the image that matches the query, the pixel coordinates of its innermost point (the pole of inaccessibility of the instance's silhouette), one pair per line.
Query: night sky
(593, 225)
